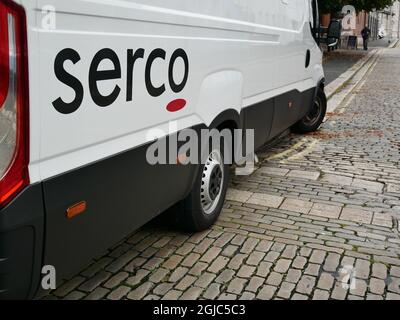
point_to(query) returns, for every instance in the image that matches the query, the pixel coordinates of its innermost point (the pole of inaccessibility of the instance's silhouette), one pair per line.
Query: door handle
(308, 58)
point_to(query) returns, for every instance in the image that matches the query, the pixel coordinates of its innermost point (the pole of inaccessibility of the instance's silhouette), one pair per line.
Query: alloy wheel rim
(212, 182)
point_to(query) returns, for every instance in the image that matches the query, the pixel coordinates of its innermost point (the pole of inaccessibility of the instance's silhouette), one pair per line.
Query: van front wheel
(315, 116)
(202, 207)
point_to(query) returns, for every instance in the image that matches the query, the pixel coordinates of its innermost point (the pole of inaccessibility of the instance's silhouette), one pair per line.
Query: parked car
(82, 82)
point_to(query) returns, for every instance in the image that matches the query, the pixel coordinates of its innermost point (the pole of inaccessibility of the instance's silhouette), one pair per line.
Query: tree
(328, 6)
(369, 5)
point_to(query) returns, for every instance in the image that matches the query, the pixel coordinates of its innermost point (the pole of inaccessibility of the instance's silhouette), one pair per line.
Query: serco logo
(96, 76)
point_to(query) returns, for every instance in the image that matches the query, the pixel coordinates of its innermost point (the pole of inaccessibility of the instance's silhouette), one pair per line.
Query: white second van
(84, 81)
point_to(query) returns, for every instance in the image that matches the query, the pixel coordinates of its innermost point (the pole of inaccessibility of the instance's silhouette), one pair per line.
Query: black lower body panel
(21, 244)
(122, 193)
(271, 117)
(290, 108)
(259, 117)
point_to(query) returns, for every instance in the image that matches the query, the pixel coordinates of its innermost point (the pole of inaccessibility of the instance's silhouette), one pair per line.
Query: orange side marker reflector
(76, 209)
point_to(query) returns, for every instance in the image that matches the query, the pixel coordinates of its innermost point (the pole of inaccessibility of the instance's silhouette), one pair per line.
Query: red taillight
(14, 121)
(4, 61)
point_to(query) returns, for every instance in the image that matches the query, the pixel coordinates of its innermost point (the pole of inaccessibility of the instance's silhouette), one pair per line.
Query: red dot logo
(176, 105)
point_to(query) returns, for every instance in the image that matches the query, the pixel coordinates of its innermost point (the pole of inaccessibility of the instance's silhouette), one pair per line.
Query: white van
(82, 83)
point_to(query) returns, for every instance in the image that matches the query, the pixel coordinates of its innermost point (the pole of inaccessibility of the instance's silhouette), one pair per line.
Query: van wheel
(312, 121)
(202, 207)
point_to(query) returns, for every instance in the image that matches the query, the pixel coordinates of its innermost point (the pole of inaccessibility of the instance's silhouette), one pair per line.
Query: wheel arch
(212, 105)
(228, 119)
(320, 85)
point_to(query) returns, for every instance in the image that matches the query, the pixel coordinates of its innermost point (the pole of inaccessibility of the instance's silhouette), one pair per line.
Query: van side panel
(262, 41)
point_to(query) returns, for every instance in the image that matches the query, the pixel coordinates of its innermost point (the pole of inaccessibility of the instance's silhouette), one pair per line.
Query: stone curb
(339, 82)
(351, 82)
(394, 44)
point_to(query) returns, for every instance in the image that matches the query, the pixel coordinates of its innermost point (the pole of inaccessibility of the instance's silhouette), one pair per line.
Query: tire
(202, 207)
(314, 118)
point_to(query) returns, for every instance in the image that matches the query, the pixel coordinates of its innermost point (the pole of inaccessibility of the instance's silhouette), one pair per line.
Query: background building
(384, 23)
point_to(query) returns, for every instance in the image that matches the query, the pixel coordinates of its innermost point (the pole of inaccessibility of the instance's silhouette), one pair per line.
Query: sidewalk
(380, 43)
(337, 62)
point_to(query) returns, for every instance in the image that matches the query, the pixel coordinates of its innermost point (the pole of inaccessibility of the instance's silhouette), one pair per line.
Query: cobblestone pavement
(317, 220)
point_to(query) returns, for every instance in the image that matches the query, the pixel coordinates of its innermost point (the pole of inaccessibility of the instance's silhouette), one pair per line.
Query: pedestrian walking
(365, 33)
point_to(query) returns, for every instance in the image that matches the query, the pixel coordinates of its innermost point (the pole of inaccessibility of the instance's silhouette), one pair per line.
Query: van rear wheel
(314, 118)
(202, 207)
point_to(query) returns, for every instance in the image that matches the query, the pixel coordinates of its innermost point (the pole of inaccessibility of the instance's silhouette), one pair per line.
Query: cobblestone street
(318, 219)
